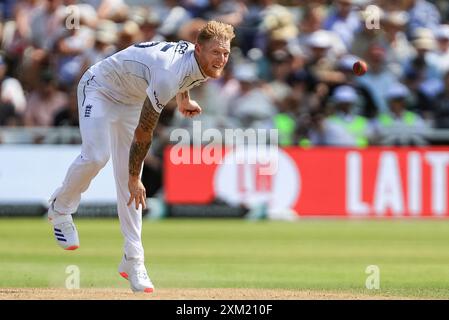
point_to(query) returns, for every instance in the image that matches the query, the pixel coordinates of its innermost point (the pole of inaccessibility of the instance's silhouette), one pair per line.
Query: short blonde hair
(215, 30)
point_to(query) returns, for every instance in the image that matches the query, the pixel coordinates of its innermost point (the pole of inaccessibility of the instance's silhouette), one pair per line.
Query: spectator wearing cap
(345, 127)
(251, 107)
(320, 63)
(424, 62)
(148, 21)
(150, 25)
(276, 41)
(398, 48)
(129, 33)
(44, 102)
(344, 21)
(441, 53)
(276, 28)
(398, 123)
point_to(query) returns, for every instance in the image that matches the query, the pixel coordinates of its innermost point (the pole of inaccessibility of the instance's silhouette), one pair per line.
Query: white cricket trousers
(107, 129)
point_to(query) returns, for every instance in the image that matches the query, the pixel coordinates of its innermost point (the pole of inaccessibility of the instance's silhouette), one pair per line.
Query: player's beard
(214, 73)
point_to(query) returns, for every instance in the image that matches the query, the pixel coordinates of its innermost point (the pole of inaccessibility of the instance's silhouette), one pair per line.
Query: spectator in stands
(172, 16)
(115, 10)
(422, 93)
(129, 34)
(149, 23)
(399, 125)
(423, 14)
(320, 63)
(227, 11)
(424, 61)
(11, 92)
(276, 27)
(8, 117)
(441, 110)
(398, 48)
(366, 37)
(80, 14)
(215, 103)
(441, 54)
(251, 107)
(303, 103)
(312, 18)
(44, 102)
(104, 45)
(17, 32)
(345, 127)
(378, 78)
(46, 22)
(68, 115)
(189, 30)
(70, 45)
(343, 20)
(279, 91)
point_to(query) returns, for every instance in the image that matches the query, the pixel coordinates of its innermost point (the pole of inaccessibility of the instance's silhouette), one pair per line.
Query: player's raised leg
(95, 152)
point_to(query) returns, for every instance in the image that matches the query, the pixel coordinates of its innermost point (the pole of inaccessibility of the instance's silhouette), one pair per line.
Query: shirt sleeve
(162, 88)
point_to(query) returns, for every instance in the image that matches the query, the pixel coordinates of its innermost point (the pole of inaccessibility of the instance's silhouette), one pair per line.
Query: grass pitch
(329, 256)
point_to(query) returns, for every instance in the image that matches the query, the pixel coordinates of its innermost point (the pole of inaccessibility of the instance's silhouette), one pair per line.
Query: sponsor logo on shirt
(156, 99)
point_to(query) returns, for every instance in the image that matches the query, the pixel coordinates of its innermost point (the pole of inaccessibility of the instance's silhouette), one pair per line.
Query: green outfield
(324, 255)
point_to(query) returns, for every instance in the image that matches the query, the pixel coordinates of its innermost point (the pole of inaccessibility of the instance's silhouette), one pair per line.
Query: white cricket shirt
(155, 69)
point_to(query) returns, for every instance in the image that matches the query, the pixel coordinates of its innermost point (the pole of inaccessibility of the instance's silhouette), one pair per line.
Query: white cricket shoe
(64, 229)
(135, 272)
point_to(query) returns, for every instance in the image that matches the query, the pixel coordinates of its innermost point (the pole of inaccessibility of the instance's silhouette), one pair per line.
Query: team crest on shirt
(87, 111)
(181, 47)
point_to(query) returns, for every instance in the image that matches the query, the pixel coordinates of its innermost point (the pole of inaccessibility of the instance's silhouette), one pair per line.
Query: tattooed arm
(189, 108)
(143, 135)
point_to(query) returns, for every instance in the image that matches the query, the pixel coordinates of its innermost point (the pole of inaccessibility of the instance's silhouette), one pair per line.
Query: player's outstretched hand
(137, 193)
(191, 109)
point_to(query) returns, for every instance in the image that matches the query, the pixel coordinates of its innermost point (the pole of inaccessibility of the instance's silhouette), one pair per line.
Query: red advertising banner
(372, 182)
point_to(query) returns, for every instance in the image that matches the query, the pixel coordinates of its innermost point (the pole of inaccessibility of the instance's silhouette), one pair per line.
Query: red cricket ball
(360, 68)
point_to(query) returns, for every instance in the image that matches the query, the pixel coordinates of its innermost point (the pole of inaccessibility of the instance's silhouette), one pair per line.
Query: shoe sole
(71, 248)
(146, 290)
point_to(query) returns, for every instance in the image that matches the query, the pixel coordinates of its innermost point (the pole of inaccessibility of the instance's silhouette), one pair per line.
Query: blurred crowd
(290, 68)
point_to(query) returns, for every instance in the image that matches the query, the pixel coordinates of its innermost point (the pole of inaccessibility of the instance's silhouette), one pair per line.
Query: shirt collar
(197, 72)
